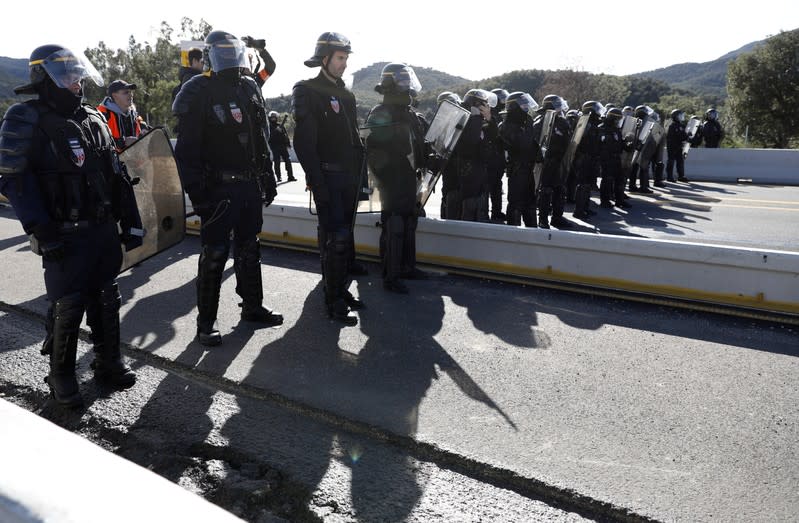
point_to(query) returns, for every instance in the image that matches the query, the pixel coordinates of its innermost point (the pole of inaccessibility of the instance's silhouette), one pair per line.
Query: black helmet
(592, 106)
(327, 44)
(642, 111)
(712, 114)
(573, 114)
(521, 102)
(273, 115)
(61, 65)
(614, 116)
(502, 95)
(475, 97)
(555, 103)
(678, 115)
(398, 78)
(448, 95)
(628, 110)
(225, 51)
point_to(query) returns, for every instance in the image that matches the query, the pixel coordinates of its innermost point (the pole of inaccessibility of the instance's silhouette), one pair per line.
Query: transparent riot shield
(442, 135)
(377, 168)
(567, 164)
(629, 131)
(692, 127)
(544, 139)
(159, 195)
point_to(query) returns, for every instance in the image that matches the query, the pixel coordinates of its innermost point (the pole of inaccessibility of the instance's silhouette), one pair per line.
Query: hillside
(13, 72)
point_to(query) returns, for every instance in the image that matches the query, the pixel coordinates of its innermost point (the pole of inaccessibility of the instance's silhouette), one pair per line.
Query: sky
(621, 37)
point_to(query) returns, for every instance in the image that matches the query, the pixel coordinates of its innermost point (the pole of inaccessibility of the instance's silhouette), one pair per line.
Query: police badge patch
(78, 156)
(334, 104)
(236, 112)
(220, 113)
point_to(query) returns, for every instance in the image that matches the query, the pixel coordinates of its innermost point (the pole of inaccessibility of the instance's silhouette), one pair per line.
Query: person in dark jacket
(611, 146)
(280, 143)
(329, 148)
(225, 165)
(516, 132)
(712, 133)
(60, 171)
(195, 67)
(675, 138)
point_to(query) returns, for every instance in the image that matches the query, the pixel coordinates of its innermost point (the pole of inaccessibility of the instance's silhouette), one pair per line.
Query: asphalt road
(467, 400)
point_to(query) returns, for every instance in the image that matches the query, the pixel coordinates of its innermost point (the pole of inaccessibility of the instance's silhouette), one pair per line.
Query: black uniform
(712, 133)
(329, 149)
(61, 173)
(226, 169)
(612, 145)
(396, 151)
(496, 168)
(470, 159)
(517, 136)
(675, 137)
(587, 167)
(280, 143)
(551, 195)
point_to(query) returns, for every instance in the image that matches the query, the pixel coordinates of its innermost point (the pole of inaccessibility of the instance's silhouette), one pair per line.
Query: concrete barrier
(49, 474)
(757, 279)
(759, 166)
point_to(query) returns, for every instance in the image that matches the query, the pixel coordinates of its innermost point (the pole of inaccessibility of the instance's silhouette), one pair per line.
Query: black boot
(393, 239)
(336, 261)
(544, 207)
(102, 315)
(249, 284)
(67, 315)
(209, 282)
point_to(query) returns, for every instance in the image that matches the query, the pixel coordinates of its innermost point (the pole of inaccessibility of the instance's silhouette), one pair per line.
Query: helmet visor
(527, 104)
(228, 54)
(405, 80)
(66, 68)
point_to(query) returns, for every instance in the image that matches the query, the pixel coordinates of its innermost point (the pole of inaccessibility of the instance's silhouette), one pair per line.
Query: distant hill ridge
(701, 78)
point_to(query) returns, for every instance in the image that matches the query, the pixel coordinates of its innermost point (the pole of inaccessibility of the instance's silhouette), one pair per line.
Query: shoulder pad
(16, 137)
(250, 84)
(188, 93)
(300, 101)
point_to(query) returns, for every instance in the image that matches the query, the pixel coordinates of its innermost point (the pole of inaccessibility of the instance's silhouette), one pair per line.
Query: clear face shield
(712, 115)
(66, 68)
(487, 97)
(228, 54)
(406, 80)
(527, 104)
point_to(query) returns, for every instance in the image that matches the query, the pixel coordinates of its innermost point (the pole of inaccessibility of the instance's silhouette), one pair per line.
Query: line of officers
(60, 170)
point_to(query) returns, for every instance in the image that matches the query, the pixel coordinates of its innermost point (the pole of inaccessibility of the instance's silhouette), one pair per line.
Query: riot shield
(567, 164)
(377, 187)
(629, 129)
(159, 195)
(649, 138)
(544, 138)
(691, 128)
(442, 135)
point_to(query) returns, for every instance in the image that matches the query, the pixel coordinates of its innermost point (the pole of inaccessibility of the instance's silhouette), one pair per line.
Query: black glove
(249, 41)
(268, 188)
(51, 247)
(200, 200)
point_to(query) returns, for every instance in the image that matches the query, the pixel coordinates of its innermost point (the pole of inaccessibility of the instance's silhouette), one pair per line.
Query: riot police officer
(396, 152)
(60, 171)
(586, 159)
(712, 133)
(226, 169)
(280, 144)
(450, 186)
(516, 131)
(551, 196)
(471, 155)
(496, 162)
(328, 145)
(675, 137)
(611, 147)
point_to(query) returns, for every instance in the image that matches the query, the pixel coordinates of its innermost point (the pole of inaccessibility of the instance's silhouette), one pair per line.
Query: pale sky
(615, 38)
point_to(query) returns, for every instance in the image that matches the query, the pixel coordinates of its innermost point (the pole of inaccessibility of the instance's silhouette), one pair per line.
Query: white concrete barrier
(49, 474)
(758, 279)
(758, 166)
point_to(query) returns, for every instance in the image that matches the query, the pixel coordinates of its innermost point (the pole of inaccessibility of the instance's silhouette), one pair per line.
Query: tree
(763, 92)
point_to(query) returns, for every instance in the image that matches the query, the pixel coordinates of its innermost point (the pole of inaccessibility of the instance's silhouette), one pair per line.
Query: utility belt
(335, 168)
(233, 176)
